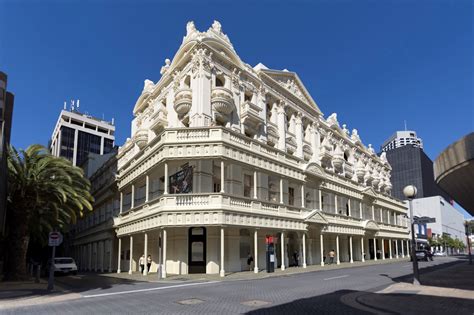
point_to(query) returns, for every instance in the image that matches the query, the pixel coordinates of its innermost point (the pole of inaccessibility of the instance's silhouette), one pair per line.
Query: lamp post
(410, 193)
(466, 225)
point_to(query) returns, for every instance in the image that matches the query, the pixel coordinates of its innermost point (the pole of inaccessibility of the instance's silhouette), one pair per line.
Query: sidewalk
(443, 291)
(30, 293)
(248, 275)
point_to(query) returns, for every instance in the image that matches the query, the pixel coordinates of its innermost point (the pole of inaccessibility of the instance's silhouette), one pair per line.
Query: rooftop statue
(332, 119)
(190, 28)
(355, 135)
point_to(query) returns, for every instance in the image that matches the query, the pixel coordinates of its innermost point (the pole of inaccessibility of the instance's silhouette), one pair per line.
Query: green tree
(44, 193)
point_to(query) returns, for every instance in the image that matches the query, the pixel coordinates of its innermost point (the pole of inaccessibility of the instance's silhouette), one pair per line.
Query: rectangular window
(248, 184)
(291, 196)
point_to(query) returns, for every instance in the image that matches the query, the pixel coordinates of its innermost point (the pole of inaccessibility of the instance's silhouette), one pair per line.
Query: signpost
(423, 220)
(55, 239)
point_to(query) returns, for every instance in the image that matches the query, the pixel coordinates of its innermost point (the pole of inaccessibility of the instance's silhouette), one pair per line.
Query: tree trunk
(17, 246)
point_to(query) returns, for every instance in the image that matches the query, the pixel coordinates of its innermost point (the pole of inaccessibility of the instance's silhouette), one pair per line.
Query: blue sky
(375, 63)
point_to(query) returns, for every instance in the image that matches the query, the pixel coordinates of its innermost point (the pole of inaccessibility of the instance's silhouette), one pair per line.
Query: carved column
(337, 250)
(130, 265)
(200, 113)
(255, 244)
(281, 127)
(362, 248)
(350, 249)
(299, 135)
(304, 250)
(321, 239)
(315, 143)
(282, 244)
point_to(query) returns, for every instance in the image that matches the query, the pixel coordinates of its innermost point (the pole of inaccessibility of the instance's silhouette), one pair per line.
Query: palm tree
(44, 193)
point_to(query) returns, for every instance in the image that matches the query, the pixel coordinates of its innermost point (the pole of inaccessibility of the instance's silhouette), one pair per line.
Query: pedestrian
(324, 255)
(249, 261)
(141, 262)
(296, 257)
(332, 253)
(148, 263)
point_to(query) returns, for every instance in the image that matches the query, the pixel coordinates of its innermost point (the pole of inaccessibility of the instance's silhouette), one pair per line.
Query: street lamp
(466, 225)
(410, 193)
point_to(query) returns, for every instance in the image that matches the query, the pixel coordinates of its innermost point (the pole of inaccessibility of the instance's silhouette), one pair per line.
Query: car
(422, 255)
(64, 265)
(439, 253)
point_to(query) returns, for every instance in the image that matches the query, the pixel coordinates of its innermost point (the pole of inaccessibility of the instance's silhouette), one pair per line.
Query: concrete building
(76, 135)
(6, 116)
(448, 219)
(411, 166)
(223, 157)
(401, 139)
(454, 171)
(93, 237)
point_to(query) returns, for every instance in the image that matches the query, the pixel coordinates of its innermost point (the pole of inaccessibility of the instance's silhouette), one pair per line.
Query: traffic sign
(55, 239)
(423, 220)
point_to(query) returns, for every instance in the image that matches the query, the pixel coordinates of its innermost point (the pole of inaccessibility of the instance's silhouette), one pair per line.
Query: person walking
(296, 257)
(141, 262)
(249, 261)
(332, 254)
(148, 263)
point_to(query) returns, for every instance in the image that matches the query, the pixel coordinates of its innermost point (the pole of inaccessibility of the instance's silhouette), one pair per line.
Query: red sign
(269, 239)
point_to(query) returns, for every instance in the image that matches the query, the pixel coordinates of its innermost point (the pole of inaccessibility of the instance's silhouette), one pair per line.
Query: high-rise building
(411, 166)
(6, 114)
(401, 139)
(77, 134)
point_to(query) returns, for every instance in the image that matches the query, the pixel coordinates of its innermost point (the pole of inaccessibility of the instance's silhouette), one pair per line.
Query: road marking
(336, 277)
(406, 266)
(150, 289)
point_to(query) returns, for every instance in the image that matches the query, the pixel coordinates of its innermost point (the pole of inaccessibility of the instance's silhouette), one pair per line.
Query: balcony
(222, 103)
(183, 101)
(272, 133)
(159, 120)
(141, 138)
(348, 170)
(250, 116)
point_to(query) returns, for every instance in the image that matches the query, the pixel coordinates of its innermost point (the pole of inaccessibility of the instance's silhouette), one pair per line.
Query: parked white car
(438, 253)
(64, 265)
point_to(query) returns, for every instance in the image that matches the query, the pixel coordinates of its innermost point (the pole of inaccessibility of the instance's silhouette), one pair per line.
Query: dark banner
(182, 181)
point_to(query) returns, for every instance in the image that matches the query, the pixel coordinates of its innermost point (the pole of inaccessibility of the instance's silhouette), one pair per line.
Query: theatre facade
(222, 156)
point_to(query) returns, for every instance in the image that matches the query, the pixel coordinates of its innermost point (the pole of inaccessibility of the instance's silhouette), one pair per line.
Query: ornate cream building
(222, 155)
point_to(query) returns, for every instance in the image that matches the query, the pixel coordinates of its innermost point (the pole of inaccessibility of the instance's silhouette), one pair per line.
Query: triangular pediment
(370, 225)
(316, 217)
(290, 82)
(369, 192)
(316, 170)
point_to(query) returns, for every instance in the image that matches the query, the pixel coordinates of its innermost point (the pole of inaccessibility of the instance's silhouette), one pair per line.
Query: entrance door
(371, 248)
(197, 250)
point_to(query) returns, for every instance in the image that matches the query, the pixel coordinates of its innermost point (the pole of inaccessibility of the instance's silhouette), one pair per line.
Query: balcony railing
(213, 134)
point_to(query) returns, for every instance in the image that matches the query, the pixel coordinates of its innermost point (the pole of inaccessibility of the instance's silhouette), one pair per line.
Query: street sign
(423, 220)
(55, 239)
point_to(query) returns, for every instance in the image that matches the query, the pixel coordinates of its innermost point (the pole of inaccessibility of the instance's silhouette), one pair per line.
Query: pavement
(379, 288)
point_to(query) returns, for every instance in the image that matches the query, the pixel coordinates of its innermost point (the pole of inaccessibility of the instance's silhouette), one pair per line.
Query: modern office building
(411, 166)
(77, 134)
(401, 139)
(6, 115)
(449, 220)
(454, 171)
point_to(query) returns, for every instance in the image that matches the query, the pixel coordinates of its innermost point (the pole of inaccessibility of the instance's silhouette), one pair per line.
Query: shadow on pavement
(360, 302)
(457, 275)
(92, 281)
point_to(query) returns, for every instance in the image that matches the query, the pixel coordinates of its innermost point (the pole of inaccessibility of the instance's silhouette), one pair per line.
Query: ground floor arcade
(226, 249)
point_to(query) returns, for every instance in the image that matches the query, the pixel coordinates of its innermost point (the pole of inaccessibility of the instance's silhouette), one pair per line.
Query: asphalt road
(314, 292)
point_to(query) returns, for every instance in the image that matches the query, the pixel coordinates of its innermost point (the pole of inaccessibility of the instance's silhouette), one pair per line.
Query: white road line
(150, 289)
(336, 277)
